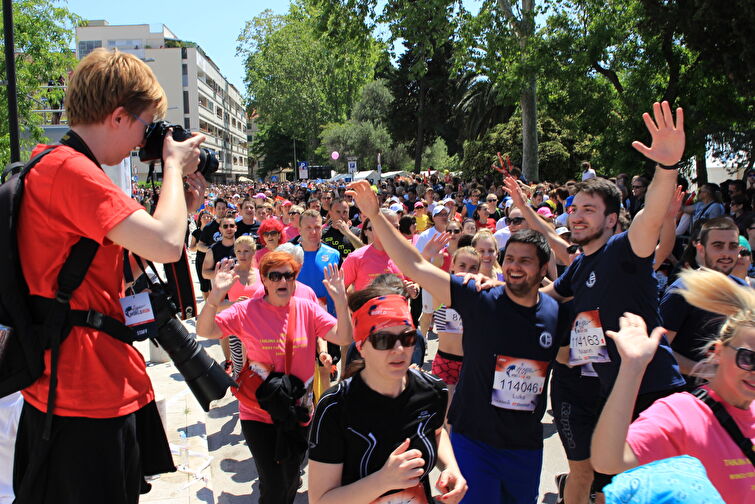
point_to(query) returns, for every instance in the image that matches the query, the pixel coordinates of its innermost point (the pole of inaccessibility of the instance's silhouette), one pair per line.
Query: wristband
(674, 166)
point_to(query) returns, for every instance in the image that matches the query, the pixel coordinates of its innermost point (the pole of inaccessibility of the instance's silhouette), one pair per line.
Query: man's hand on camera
(184, 155)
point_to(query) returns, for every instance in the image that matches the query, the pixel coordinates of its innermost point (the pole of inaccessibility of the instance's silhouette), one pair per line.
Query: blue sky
(213, 24)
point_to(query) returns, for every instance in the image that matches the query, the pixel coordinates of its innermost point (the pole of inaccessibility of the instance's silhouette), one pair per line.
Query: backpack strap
(727, 422)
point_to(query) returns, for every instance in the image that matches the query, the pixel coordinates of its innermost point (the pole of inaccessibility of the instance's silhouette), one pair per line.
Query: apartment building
(199, 97)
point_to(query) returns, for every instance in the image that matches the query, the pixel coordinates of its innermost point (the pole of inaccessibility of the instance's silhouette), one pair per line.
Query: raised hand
(514, 190)
(632, 341)
(225, 276)
(194, 187)
(333, 281)
(668, 140)
(365, 198)
(437, 243)
(676, 203)
(403, 468)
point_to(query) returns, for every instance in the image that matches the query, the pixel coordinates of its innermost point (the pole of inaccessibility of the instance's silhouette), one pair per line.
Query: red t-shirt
(66, 197)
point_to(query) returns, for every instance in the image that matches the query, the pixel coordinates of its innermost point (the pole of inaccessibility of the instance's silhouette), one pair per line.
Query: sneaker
(561, 486)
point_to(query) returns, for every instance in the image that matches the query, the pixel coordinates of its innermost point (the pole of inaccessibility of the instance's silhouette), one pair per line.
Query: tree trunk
(419, 142)
(528, 102)
(701, 168)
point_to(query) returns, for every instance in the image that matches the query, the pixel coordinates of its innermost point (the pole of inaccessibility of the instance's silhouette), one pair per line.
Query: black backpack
(29, 325)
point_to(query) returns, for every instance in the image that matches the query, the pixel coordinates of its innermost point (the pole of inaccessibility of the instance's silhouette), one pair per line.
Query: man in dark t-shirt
(209, 235)
(334, 238)
(689, 328)
(248, 225)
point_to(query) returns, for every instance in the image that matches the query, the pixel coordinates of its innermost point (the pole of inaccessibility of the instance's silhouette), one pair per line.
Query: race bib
(588, 370)
(413, 495)
(588, 343)
(139, 316)
(518, 383)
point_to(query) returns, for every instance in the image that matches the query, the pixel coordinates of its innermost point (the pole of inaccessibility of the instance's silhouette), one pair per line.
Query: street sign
(303, 170)
(352, 166)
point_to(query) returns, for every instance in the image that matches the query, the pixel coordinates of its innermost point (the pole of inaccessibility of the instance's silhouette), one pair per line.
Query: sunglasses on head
(226, 226)
(276, 276)
(745, 358)
(294, 213)
(515, 221)
(384, 340)
(270, 233)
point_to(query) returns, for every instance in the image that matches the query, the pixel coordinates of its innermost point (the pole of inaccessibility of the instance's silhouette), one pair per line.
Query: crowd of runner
(528, 287)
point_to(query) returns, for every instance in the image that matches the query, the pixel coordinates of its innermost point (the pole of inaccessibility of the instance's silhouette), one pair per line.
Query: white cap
(562, 230)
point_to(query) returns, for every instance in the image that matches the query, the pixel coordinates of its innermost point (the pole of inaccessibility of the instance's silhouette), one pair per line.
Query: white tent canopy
(371, 175)
(392, 174)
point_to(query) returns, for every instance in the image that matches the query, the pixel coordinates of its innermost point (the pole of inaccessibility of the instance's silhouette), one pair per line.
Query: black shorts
(575, 400)
(89, 460)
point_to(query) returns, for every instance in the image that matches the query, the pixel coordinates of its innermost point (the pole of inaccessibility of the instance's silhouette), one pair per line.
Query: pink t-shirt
(238, 290)
(680, 424)
(262, 328)
(259, 255)
(289, 233)
(364, 264)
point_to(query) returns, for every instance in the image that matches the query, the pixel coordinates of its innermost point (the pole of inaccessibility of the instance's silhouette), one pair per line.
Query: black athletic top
(359, 428)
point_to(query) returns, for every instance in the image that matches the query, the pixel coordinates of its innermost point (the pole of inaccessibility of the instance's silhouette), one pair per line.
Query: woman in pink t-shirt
(268, 326)
(682, 424)
(270, 234)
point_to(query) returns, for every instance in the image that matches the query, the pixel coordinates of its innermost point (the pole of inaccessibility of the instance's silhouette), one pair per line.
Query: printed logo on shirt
(591, 279)
(546, 340)
(324, 257)
(217, 236)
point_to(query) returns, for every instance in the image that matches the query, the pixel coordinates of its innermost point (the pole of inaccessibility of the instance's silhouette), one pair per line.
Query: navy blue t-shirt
(694, 327)
(496, 326)
(612, 281)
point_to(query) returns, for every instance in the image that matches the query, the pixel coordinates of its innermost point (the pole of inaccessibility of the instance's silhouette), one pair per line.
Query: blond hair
(105, 80)
(485, 234)
(245, 240)
(715, 292)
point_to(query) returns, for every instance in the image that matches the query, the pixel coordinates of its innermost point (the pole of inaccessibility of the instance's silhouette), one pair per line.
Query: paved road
(219, 467)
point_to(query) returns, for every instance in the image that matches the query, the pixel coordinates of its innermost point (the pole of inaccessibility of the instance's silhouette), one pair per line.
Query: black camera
(153, 146)
(205, 378)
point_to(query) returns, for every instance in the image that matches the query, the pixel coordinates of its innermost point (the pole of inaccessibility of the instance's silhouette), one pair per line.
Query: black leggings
(278, 482)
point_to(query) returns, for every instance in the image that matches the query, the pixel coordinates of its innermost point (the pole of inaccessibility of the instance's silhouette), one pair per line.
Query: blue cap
(569, 201)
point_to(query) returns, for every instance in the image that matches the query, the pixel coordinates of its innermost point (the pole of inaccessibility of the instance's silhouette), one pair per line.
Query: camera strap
(728, 423)
(290, 334)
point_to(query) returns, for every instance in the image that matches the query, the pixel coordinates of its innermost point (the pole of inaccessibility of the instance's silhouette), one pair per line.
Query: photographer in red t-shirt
(104, 411)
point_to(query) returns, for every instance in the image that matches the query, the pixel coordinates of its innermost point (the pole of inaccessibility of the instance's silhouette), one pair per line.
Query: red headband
(379, 313)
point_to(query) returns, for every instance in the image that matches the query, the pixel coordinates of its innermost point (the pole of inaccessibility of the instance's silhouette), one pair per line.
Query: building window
(184, 53)
(87, 46)
(187, 123)
(186, 102)
(185, 75)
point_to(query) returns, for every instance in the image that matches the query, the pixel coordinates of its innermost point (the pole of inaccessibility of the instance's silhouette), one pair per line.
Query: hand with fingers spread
(632, 341)
(481, 281)
(333, 281)
(514, 190)
(365, 198)
(403, 468)
(225, 276)
(667, 147)
(437, 243)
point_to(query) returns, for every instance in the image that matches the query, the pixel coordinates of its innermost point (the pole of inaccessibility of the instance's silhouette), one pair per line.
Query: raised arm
(558, 244)
(403, 253)
(611, 454)
(668, 230)
(222, 280)
(666, 149)
(341, 334)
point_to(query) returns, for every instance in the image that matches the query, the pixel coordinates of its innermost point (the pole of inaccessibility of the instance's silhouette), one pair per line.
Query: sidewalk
(215, 465)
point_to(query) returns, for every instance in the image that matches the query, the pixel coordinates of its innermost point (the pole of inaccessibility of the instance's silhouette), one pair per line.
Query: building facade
(199, 97)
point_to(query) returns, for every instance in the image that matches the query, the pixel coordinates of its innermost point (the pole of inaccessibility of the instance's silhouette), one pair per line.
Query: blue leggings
(497, 476)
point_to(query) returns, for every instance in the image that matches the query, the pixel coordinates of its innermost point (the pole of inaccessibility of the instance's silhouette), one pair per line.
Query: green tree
(295, 79)
(374, 104)
(44, 34)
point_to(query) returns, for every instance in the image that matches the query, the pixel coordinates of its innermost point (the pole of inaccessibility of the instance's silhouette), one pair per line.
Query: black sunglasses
(745, 357)
(515, 221)
(384, 340)
(276, 276)
(226, 226)
(270, 233)
(294, 213)
(454, 231)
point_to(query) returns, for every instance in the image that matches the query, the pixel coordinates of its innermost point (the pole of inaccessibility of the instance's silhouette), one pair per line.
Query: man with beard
(614, 274)
(497, 436)
(689, 328)
(248, 225)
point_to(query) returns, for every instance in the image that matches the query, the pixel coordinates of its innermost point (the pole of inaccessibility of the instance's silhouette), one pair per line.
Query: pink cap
(545, 212)
(419, 204)
(259, 196)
